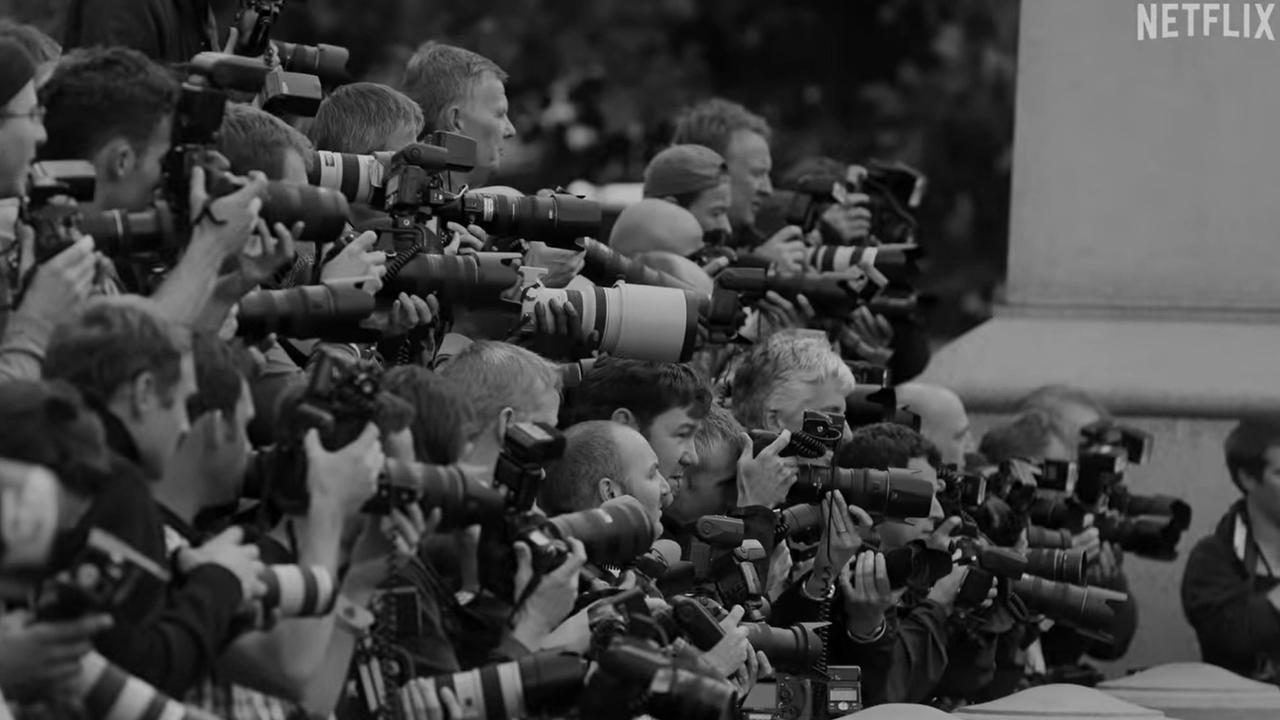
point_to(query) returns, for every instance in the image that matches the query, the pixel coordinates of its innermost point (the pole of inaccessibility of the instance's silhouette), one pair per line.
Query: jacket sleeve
(906, 663)
(168, 636)
(22, 346)
(1230, 617)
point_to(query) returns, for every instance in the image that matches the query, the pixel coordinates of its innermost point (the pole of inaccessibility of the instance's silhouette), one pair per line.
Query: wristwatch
(353, 618)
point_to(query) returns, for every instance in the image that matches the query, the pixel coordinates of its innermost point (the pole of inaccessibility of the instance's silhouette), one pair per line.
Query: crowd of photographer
(311, 424)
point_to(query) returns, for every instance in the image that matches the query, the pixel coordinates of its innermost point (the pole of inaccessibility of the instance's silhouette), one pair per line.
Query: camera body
(102, 577)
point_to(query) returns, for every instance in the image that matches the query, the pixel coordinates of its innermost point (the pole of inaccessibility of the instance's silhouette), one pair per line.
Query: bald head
(654, 224)
(943, 420)
(681, 268)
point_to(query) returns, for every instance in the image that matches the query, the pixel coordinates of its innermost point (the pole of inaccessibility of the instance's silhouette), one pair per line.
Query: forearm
(187, 290)
(324, 688)
(22, 346)
(227, 291)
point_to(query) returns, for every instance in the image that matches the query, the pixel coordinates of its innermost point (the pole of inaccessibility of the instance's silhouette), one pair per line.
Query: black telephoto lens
(894, 493)
(1058, 565)
(614, 533)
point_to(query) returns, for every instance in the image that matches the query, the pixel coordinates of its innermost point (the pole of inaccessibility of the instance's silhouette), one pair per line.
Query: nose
(723, 224)
(935, 511)
(690, 456)
(508, 129)
(847, 435)
(766, 187)
(41, 134)
(665, 495)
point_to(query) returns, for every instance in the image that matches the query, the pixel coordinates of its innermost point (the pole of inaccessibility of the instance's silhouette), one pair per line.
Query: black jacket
(169, 31)
(1224, 596)
(168, 636)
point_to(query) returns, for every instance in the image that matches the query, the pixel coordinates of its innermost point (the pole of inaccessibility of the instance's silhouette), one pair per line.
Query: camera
(819, 434)
(893, 493)
(541, 684)
(333, 311)
(1056, 564)
(103, 575)
(634, 677)
(872, 405)
(1088, 609)
(895, 189)
(612, 534)
(883, 264)
(916, 565)
(254, 20)
(605, 266)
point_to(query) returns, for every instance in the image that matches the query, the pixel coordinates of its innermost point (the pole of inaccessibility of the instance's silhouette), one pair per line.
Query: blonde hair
(775, 367)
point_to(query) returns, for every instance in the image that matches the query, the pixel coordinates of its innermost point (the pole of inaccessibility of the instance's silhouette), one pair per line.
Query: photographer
(1229, 588)
(742, 139)
(136, 371)
(603, 460)
(653, 224)
(63, 282)
(48, 424)
(943, 420)
(115, 108)
(1034, 436)
(462, 92)
(695, 178)
(364, 118)
(785, 375)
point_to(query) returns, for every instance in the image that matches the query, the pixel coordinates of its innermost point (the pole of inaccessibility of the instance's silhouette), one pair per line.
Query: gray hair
(439, 76)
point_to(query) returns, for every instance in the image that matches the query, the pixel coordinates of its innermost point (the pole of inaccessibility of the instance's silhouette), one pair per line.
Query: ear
(623, 416)
(1246, 480)
(143, 393)
(607, 490)
(771, 420)
(454, 119)
(116, 159)
(505, 418)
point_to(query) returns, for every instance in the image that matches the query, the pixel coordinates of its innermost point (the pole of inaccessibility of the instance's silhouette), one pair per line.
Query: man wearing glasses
(58, 286)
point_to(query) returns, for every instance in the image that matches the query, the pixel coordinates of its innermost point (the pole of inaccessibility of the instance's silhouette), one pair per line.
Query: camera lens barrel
(894, 493)
(307, 311)
(298, 591)
(613, 534)
(1091, 608)
(538, 684)
(641, 322)
(359, 178)
(1055, 564)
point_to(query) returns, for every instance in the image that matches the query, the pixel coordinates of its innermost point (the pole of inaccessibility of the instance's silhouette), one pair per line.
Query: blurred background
(594, 86)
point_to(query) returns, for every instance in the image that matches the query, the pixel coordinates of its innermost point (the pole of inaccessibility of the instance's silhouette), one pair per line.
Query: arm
(22, 346)
(1230, 617)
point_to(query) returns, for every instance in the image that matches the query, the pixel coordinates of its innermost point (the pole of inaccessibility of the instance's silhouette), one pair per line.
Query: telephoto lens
(605, 266)
(894, 262)
(328, 62)
(298, 591)
(118, 234)
(462, 501)
(1088, 608)
(1155, 538)
(613, 534)
(830, 294)
(1125, 503)
(323, 212)
(668, 692)
(799, 521)
(1001, 562)
(106, 691)
(476, 281)
(544, 683)
(795, 649)
(893, 493)
(1042, 537)
(332, 312)
(641, 322)
(557, 220)
(1058, 565)
(359, 178)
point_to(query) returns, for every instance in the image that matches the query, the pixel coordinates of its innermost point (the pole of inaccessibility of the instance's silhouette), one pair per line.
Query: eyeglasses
(35, 114)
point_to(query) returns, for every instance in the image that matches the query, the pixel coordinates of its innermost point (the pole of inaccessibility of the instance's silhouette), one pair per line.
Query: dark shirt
(1224, 596)
(170, 31)
(167, 636)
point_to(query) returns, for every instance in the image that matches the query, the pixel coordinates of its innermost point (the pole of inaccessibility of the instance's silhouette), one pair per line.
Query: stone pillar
(1144, 256)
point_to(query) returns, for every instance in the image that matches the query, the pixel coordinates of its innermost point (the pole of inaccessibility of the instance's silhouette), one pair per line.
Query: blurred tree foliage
(594, 86)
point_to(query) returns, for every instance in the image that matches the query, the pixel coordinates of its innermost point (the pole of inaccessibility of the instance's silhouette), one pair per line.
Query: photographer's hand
(345, 479)
(730, 654)
(224, 224)
(358, 260)
(409, 313)
(470, 238)
(945, 590)
(419, 697)
(228, 551)
(868, 336)
(782, 314)
(562, 265)
(62, 283)
(766, 478)
(940, 538)
(267, 252)
(840, 541)
(851, 219)
(552, 598)
(867, 593)
(34, 656)
(786, 249)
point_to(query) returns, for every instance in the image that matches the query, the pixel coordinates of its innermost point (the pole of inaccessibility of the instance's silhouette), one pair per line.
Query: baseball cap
(683, 169)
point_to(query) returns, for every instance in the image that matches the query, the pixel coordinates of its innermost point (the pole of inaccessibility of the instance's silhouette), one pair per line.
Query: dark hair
(112, 341)
(591, 452)
(645, 388)
(221, 371)
(885, 445)
(48, 424)
(1247, 444)
(254, 139)
(358, 118)
(713, 122)
(1027, 437)
(443, 422)
(97, 94)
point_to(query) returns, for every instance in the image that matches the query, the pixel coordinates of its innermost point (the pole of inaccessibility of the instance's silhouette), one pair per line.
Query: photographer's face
(160, 416)
(712, 207)
(898, 532)
(642, 478)
(750, 163)
(483, 118)
(671, 436)
(708, 488)
(21, 132)
(1262, 493)
(228, 457)
(129, 173)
